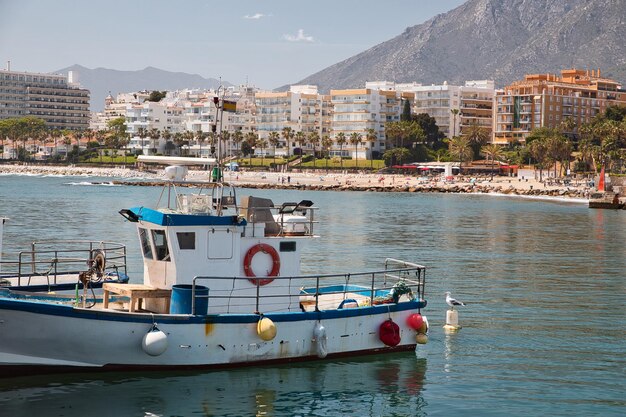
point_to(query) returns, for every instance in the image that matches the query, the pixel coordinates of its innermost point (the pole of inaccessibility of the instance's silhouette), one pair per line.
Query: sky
(264, 43)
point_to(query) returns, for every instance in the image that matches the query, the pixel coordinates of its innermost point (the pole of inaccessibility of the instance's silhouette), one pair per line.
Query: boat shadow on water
(375, 385)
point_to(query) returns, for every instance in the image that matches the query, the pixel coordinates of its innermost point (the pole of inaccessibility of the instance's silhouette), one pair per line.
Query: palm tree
(493, 152)
(455, 113)
(142, 132)
(299, 137)
(167, 135)
(262, 143)
(538, 150)
(200, 137)
(179, 140)
(355, 139)
(237, 138)
(341, 140)
(327, 142)
(251, 139)
(372, 137)
(56, 135)
(225, 140)
(314, 139)
(288, 135)
(478, 136)
(188, 136)
(154, 134)
(274, 140)
(460, 149)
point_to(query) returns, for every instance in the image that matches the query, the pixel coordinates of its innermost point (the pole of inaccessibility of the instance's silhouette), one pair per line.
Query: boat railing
(55, 258)
(398, 282)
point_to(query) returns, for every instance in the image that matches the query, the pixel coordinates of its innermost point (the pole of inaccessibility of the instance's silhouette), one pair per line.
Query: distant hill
(493, 39)
(101, 81)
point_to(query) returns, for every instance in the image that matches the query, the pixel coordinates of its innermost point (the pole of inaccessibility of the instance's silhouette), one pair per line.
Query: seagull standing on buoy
(453, 301)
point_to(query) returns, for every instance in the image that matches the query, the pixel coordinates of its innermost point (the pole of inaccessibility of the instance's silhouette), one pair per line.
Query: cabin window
(287, 246)
(186, 240)
(160, 245)
(145, 244)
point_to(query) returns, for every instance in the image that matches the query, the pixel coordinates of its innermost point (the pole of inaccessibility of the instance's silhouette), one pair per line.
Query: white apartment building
(357, 110)
(149, 115)
(301, 108)
(454, 107)
(56, 99)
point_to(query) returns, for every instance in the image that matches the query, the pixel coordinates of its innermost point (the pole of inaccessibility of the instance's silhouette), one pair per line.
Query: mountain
(493, 39)
(101, 81)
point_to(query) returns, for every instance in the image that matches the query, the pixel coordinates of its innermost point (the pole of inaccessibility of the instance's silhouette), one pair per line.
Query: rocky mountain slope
(101, 81)
(494, 39)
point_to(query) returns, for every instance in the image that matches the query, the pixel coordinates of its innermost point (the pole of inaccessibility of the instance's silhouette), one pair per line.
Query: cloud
(255, 16)
(300, 37)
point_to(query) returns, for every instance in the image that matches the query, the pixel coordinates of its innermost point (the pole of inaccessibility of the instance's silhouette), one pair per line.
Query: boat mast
(219, 116)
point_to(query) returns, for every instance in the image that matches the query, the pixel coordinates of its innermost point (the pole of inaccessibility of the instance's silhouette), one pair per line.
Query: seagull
(452, 301)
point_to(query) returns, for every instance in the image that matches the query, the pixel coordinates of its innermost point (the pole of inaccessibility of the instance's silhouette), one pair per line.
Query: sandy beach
(332, 181)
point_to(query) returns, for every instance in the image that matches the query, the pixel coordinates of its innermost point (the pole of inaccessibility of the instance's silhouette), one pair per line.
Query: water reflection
(381, 385)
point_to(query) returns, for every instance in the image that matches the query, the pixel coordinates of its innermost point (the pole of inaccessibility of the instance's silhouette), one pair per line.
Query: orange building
(545, 100)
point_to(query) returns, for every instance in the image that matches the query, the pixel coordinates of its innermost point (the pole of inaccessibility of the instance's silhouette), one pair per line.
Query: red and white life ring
(247, 263)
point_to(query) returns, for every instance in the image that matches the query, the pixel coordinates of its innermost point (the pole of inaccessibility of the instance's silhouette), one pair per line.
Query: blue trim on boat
(98, 314)
(172, 219)
(356, 289)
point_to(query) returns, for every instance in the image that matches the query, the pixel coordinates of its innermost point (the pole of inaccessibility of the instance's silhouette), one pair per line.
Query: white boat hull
(59, 336)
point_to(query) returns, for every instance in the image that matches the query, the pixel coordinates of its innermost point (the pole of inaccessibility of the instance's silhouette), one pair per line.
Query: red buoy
(415, 321)
(389, 333)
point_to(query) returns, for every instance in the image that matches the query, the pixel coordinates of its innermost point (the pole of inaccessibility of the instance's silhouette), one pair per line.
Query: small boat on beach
(222, 287)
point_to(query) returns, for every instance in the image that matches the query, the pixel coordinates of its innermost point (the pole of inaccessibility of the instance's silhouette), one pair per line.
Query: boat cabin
(216, 237)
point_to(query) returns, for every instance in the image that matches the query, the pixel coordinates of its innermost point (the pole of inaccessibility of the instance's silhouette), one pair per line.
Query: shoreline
(502, 186)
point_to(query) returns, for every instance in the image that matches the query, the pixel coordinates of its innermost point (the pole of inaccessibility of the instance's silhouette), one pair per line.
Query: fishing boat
(222, 287)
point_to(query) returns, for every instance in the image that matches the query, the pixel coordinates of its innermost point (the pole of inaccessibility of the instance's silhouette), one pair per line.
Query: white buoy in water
(452, 320)
(452, 316)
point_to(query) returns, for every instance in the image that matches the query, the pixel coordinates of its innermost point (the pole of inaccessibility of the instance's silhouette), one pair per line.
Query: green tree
(157, 96)
(274, 140)
(288, 135)
(341, 140)
(455, 113)
(460, 149)
(327, 143)
(154, 134)
(166, 134)
(477, 136)
(492, 152)
(406, 111)
(431, 131)
(299, 137)
(314, 139)
(355, 139)
(395, 156)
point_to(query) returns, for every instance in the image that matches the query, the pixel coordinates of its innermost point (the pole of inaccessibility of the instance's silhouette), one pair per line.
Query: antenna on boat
(217, 174)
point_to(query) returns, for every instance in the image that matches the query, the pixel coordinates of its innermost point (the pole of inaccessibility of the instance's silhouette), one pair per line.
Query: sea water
(543, 329)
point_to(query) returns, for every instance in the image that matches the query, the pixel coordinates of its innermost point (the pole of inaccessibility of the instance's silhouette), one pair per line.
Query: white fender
(154, 342)
(320, 340)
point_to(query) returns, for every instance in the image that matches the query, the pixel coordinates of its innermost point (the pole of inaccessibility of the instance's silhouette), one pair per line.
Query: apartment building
(301, 108)
(476, 105)
(358, 110)
(56, 99)
(152, 115)
(454, 107)
(546, 100)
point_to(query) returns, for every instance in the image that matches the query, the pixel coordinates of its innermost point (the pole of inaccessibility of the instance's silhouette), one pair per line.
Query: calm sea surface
(543, 332)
